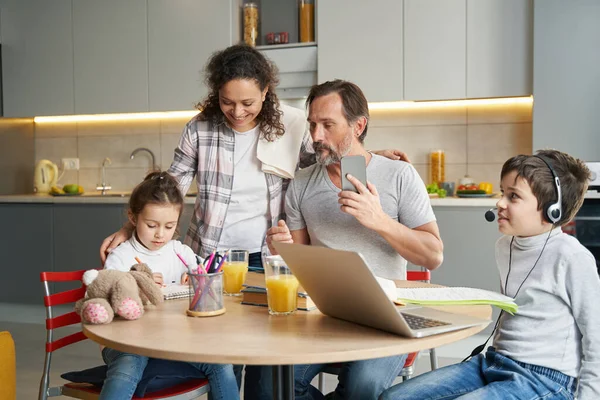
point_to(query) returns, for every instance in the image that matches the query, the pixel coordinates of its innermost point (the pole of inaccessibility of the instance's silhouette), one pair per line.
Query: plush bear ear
(89, 276)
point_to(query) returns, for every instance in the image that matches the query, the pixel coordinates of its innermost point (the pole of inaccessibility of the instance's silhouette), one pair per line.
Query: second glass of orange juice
(234, 272)
(282, 287)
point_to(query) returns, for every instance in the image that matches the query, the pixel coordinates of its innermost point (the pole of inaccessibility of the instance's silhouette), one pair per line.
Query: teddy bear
(111, 292)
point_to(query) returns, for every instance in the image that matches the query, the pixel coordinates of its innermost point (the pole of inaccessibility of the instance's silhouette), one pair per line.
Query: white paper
(388, 286)
(451, 294)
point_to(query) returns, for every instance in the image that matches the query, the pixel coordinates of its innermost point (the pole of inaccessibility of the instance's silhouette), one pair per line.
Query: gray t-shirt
(312, 202)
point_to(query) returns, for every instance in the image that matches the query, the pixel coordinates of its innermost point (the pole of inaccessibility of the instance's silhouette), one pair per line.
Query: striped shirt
(205, 150)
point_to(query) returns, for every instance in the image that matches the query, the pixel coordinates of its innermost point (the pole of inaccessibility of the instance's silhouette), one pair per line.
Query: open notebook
(445, 296)
(175, 291)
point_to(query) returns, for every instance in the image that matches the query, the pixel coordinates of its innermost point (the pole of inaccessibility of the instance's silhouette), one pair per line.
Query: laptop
(342, 286)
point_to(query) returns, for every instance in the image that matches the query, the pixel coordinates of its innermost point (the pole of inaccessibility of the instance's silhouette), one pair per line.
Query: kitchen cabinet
(78, 231)
(57, 237)
(27, 250)
(110, 56)
(567, 78)
(434, 49)
(499, 48)
(361, 41)
(37, 58)
(181, 37)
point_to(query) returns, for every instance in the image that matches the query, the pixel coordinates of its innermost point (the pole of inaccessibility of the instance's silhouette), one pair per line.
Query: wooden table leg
(283, 382)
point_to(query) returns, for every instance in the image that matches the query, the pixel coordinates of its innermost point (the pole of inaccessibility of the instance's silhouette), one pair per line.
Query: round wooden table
(249, 335)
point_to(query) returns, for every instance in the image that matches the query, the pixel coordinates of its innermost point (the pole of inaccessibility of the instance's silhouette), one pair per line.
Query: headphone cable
(480, 348)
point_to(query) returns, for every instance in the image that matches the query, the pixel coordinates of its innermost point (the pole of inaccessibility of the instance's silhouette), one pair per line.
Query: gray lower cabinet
(27, 250)
(78, 230)
(469, 249)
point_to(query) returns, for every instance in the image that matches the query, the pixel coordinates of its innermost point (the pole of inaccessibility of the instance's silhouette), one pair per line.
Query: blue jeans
(488, 377)
(125, 371)
(360, 380)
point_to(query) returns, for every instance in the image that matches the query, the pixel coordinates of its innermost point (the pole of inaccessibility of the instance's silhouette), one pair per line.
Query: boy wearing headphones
(552, 344)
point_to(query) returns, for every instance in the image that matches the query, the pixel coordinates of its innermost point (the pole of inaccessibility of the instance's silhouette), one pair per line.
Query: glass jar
(250, 23)
(437, 162)
(307, 20)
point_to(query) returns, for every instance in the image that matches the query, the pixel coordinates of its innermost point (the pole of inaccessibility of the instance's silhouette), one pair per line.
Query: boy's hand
(184, 278)
(279, 233)
(158, 278)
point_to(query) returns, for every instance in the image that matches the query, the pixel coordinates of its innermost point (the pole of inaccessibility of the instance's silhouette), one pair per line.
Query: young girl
(154, 210)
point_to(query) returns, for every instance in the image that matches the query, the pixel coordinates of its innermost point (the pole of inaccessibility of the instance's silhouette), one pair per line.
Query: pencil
(138, 260)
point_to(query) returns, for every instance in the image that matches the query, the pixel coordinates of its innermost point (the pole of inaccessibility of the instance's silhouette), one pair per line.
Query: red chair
(408, 370)
(188, 390)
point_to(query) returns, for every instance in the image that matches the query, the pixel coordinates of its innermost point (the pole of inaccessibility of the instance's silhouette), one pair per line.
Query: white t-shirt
(163, 260)
(247, 214)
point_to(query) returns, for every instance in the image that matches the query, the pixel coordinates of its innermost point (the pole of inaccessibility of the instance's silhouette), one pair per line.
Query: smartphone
(355, 166)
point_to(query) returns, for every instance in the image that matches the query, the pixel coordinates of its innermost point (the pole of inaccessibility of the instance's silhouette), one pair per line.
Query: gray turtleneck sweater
(558, 322)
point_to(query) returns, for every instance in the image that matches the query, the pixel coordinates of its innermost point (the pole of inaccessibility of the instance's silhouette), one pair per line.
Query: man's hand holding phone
(363, 204)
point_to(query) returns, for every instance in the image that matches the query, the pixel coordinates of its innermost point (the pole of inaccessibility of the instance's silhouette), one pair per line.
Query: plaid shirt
(206, 150)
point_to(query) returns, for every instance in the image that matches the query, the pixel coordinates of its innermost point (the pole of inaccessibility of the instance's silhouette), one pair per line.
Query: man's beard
(332, 156)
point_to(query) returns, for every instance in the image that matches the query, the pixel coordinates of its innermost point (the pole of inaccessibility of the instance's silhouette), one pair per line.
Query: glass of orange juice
(235, 268)
(282, 287)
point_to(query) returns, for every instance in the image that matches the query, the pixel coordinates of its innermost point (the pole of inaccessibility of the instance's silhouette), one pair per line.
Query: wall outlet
(70, 163)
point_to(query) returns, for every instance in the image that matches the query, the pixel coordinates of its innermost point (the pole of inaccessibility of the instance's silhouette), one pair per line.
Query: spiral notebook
(175, 291)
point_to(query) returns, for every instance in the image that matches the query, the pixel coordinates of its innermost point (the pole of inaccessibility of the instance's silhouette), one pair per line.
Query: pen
(222, 262)
(215, 261)
(212, 256)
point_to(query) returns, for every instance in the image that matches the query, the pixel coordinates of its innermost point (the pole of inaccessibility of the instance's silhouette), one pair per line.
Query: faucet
(153, 165)
(103, 186)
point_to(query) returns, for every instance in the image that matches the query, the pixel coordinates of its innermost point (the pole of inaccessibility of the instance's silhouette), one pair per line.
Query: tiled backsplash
(477, 140)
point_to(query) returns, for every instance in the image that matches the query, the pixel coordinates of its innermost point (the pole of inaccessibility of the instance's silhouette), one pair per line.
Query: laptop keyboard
(415, 322)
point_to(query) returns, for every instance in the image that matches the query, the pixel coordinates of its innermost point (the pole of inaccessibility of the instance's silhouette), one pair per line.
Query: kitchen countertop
(123, 198)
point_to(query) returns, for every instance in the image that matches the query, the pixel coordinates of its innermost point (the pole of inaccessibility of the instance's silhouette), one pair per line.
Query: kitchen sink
(106, 195)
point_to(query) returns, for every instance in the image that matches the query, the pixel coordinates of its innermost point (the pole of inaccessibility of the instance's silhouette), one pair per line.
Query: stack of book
(255, 293)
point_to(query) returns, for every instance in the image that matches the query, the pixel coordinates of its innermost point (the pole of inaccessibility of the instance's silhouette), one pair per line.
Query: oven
(586, 225)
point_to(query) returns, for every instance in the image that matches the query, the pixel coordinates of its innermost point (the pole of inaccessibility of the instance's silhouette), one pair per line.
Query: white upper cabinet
(110, 56)
(499, 48)
(361, 41)
(37, 58)
(181, 36)
(435, 49)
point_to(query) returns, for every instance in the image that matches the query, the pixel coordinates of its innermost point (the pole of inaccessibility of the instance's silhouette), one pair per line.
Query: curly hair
(243, 62)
